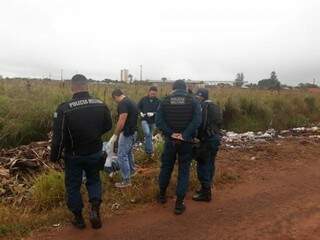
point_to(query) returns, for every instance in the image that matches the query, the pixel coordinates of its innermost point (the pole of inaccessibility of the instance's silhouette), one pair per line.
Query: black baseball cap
(202, 92)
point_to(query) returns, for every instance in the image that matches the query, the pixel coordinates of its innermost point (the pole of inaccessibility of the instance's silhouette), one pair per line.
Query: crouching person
(77, 129)
(206, 151)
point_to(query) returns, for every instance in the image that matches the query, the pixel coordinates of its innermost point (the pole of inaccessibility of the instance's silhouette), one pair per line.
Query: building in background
(124, 75)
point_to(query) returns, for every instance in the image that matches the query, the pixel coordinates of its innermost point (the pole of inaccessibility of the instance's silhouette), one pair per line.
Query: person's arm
(107, 120)
(57, 144)
(140, 107)
(120, 124)
(157, 105)
(161, 124)
(195, 122)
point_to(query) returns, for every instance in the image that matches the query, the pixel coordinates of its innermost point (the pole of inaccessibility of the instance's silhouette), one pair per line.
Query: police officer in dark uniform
(77, 129)
(206, 150)
(178, 117)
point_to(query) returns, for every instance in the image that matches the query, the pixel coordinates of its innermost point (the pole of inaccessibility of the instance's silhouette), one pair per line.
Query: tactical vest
(178, 110)
(209, 127)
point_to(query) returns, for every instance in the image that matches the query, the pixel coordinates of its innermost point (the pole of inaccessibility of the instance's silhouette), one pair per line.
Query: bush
(48, 190)
(310, 101)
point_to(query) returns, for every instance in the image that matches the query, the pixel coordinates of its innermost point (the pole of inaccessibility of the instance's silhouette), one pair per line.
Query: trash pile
(249, 139)
(18, 166)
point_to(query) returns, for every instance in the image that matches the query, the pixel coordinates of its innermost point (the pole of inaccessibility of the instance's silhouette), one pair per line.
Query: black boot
(95, 216)
(180, 207)
(78, 221)
(162, 199)
(204, 195)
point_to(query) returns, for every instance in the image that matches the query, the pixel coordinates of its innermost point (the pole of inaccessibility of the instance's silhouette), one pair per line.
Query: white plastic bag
(111, 165)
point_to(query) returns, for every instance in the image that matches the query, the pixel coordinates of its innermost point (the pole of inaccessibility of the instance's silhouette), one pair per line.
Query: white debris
(248, 139)
(315, 129)
(314, 136)
(115, 206)
(299, 129)
(284, 132)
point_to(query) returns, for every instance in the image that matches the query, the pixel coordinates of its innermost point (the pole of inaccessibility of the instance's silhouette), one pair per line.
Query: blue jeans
(147, 129)
(172, 152)
(125, 156)
(74, 168)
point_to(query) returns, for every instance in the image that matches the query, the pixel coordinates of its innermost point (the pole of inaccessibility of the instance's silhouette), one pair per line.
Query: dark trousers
(175, 151)
(75, 166)
(206, 167)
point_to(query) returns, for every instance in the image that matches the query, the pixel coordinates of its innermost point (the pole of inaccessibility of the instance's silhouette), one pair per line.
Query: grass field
(26, 115)
(26, 108)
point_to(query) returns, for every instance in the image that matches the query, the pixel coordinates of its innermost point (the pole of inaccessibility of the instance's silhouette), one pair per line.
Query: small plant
(48, 190)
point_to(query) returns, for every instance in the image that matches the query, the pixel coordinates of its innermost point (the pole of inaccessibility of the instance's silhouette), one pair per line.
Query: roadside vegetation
(26, 107)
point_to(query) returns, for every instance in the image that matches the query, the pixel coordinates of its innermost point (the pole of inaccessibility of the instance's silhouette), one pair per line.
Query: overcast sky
(200, 40)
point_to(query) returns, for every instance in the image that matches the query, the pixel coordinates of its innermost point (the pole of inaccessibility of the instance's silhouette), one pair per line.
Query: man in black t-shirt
(125, 129)
(148, 106)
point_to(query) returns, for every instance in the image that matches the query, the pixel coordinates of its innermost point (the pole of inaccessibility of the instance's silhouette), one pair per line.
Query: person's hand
(177, 136)
(113, 139)
(142, 114)
(150, 114)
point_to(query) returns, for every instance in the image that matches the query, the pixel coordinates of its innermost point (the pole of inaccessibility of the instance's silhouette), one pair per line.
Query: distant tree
(164, 79)
(1, 77)
(307, 85)
(252, 85)
(239, 81)
(284, 86)
(271, 83)
(130, 76)
(107, 80)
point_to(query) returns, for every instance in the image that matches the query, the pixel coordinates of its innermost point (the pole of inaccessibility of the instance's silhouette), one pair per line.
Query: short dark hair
(79, 79)
(117, 93)
(179, 84)
(153, 88)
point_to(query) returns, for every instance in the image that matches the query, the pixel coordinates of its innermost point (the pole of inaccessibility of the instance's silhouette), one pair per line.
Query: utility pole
(61, 74)
(140, 72)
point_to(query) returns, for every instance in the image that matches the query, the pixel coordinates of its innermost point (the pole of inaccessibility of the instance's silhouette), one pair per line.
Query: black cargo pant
(206, 156)
(75, 166)
(173, 151)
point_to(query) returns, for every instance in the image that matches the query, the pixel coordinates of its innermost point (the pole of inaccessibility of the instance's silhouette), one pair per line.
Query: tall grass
(48, 190)
(26, 111)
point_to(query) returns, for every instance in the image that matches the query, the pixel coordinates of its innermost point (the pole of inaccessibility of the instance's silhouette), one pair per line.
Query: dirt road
(277, 197)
